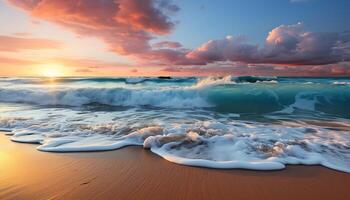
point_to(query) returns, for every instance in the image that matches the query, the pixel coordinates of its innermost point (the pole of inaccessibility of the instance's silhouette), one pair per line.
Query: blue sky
(175, 37)
(202, 20)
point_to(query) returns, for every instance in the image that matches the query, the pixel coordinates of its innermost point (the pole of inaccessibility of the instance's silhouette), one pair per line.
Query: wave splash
(111, 96)
(261, 123)
(227, 94)
(213, 143)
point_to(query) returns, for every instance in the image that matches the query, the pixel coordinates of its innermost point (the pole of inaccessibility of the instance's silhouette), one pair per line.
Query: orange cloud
(10, 43)
(167, 44)
(126, 26)
(8, 62)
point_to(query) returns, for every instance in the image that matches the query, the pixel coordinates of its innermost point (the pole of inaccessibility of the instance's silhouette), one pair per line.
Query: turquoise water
(259, 123)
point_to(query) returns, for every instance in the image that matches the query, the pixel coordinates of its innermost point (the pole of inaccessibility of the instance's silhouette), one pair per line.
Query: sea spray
(260, 123)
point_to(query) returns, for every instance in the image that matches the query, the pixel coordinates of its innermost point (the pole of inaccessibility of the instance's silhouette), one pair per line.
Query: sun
(52, 71)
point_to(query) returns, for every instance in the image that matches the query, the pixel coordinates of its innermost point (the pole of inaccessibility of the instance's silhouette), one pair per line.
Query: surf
(260, 123)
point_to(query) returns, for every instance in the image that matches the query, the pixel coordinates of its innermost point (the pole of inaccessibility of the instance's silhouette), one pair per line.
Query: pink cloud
(167, 44)
(284, 45)
(287, 45)
(10, 43)
(13, 62)
(22, 34)
(83, 71)
(126, 26)
(82, 63)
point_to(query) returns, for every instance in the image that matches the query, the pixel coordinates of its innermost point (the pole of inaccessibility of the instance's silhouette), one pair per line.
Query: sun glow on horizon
(52, 70)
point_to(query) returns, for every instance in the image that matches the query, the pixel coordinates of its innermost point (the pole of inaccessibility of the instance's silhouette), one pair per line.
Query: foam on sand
(213, 144)
(260, 123)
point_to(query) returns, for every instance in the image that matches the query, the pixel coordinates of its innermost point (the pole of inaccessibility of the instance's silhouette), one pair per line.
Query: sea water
(260, 123)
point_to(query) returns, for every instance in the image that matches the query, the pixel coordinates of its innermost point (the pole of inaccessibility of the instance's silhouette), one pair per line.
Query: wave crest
(115, 97)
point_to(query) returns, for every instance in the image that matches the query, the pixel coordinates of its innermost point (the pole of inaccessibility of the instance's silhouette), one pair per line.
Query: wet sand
(136, 173)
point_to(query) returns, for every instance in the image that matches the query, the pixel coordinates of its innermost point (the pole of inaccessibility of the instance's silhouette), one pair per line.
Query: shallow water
(260, 123)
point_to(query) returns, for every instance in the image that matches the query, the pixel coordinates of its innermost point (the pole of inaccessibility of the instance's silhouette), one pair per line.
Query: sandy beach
(136, 173)
(169, 99)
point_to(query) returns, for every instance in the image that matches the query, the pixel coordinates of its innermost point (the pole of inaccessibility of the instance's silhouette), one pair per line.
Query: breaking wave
(221, 94)
(261, 123)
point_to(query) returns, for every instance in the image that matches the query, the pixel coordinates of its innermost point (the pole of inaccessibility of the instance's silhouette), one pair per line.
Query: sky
(174, 38)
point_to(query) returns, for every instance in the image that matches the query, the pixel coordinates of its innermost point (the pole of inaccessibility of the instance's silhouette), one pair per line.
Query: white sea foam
(79, 144)
(213, 142)
(341, 83)
(254, 150)
(213, 81)
(271, 81)
(253, 165)
(303, 101)
(33, 138)
(189, 123)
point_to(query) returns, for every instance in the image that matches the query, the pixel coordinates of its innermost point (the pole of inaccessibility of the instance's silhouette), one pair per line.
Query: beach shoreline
(136, 173)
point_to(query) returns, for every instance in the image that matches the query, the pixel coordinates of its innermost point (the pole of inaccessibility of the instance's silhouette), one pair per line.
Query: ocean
(258, 123)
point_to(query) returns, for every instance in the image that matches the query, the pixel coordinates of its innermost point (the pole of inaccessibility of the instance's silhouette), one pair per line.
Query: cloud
(13, 62)
(285, 45)
(82, 63)
(126, 26)
(167, 44)
(134, 71)
(22, 34)
(84, 70)
(10, 43)
(239, 69)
